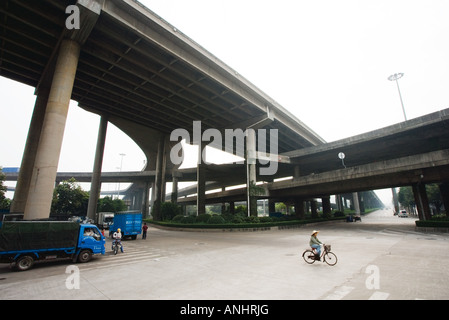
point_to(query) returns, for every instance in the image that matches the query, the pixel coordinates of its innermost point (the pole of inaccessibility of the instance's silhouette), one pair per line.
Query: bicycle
(327, 256)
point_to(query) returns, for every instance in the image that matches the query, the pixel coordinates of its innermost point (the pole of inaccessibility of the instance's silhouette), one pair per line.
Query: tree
(4, 202)
(69, 199)
(406, 197)
(107, 204)
(169, 210)
(434, 196)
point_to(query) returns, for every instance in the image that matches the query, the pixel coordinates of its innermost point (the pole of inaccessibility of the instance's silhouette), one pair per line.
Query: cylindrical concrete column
(47, 157)
(444, 190)
(299, 208)
(314, 208)
(95, 185)
(326, 201)
(355, 198)
(146, 200)
(251, 179)
(29, 154)
(201, 180)
(422, 201)
(159, 180)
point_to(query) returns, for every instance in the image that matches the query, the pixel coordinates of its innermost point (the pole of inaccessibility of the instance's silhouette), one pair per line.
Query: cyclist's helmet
(119, 230)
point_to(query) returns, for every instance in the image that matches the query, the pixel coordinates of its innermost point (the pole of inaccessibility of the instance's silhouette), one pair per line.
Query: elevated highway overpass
(142, 74)
(411, 153)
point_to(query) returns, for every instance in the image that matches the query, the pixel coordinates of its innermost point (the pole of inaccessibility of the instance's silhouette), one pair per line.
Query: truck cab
(91, 239)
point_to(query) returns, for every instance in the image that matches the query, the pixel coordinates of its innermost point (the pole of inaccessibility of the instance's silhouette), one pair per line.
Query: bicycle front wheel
(330, 258)
(309, 256)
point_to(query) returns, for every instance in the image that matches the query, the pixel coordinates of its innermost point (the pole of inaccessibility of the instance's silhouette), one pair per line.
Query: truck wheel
(85, 256)
(24, 263)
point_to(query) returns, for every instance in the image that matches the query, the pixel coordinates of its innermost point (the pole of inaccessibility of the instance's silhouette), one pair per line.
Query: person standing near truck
(144, 230)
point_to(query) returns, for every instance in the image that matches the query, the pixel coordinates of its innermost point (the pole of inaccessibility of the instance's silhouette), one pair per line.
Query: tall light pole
(121, 163)
(396, 77)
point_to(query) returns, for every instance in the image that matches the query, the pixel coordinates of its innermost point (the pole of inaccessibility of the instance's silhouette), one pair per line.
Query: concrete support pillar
(251, 171)
(296, 173)
(299, 208)
(159, 180)
(201, 179)
(313, 208)
(40, 193)
(223, 204)
(271, 205)
(339, 200)
(95, 184)
(395, 200)
(421, 200)
(444, 190)
(137, 199)
(29, 155)
(326, 201)
(355, 199)
(174, 192)
(146, 200)
(232, 207)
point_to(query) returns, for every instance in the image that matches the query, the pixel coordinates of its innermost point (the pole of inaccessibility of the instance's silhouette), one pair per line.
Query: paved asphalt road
(382, 257)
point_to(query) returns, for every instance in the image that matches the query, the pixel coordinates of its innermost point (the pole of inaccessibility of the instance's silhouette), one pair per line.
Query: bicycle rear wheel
(309, 256)
(330, 258)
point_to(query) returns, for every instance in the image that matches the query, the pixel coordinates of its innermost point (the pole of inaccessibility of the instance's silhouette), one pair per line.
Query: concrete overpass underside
(134, 69)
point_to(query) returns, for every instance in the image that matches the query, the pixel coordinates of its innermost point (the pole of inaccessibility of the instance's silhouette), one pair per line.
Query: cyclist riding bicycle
(316, 244)
(117, 236)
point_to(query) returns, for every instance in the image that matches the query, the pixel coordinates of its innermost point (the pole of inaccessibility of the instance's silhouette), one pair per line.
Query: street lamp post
(396, 77)
(121, 163)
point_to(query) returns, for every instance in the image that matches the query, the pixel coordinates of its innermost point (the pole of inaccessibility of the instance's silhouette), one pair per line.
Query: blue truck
(22, 243)
(129, 222)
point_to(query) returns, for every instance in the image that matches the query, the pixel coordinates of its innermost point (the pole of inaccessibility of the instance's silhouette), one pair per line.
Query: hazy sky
(325, 61)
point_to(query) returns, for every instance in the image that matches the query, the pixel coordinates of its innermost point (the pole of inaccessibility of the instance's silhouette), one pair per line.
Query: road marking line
(338, 294)
(379, 296)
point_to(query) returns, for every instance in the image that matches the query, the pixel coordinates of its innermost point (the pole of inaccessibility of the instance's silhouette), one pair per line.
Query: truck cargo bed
(37, 235)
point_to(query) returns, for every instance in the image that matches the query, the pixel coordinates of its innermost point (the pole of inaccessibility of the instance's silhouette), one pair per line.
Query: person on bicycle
(117, 236)
(315, 244)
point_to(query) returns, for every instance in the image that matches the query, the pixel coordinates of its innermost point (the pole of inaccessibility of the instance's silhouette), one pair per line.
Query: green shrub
(203, 218)
(266, 219)
(169, 210)
(177, 218)
(237, 219)
(216, 219)
(252, 219)
(188, 219)
(228, 217)
(432, 224)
